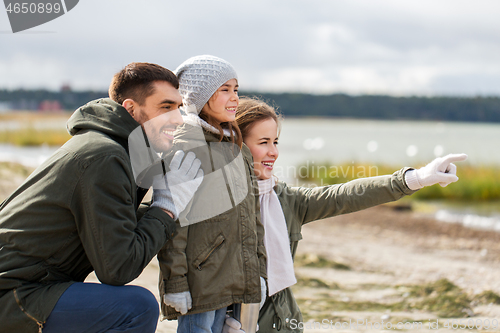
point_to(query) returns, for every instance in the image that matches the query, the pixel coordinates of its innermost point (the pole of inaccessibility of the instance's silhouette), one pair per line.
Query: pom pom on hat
(200, 77)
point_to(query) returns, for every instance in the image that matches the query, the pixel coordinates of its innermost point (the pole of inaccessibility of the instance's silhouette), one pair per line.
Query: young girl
(217, 257)
(285, 209)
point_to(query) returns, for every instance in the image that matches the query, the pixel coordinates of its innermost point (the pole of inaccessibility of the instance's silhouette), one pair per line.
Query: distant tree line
(471, 109)
(21, 99)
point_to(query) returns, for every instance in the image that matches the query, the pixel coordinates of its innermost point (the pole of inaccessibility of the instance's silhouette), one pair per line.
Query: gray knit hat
(200, 77)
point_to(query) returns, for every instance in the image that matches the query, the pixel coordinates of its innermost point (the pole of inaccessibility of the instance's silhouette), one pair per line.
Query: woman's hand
(441, 170)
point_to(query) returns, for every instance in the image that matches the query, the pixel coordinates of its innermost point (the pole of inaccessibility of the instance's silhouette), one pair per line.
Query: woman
(285, 209)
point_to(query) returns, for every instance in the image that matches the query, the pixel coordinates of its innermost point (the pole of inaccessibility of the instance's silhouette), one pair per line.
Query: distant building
(66, 88)
(50, 106)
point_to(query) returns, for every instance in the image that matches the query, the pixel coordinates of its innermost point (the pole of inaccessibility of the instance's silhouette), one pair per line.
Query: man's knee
(144, 302)
(104, 308)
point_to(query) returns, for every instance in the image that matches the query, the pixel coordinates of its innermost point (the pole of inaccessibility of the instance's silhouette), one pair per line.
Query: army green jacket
(218, 255)
(73, 215)
(303, 205)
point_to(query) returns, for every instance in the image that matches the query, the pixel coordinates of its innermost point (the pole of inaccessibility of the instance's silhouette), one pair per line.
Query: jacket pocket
(27, 316)
(204, 256)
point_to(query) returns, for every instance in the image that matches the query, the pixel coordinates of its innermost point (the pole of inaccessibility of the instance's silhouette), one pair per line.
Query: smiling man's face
(159, 115)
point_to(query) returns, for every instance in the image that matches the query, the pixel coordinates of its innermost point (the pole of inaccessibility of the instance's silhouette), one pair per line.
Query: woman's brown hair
(252, 110)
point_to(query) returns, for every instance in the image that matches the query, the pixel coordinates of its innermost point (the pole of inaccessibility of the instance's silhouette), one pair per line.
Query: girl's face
(222, 105)
(262, 139)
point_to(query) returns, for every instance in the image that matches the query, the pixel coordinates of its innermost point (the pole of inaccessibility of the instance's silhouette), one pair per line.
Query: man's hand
(441, 170)
(173, 191)
(181, 302)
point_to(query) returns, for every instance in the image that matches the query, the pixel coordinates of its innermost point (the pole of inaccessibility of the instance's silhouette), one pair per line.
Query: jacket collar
(195, 120)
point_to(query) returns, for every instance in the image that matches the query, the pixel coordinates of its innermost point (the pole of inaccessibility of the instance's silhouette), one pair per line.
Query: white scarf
(280, 273)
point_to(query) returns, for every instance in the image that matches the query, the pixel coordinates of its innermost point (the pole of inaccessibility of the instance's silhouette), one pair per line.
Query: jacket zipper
(39, 323)
(210, 253)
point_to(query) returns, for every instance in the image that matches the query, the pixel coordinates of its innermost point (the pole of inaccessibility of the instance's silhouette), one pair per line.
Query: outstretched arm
(320, 202)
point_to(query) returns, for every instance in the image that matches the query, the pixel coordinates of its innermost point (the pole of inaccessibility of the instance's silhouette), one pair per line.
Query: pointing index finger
(454, 158)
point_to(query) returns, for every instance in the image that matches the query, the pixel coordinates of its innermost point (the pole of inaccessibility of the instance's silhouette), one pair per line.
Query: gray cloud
(354, 46)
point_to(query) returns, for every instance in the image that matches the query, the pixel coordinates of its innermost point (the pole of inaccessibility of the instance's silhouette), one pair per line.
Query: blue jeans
(93, 308)
(205, 322)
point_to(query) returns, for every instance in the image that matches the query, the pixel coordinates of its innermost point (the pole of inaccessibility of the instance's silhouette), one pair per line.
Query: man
(77, 213)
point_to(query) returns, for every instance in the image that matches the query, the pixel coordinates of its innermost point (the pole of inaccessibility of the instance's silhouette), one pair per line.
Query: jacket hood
(103, 115)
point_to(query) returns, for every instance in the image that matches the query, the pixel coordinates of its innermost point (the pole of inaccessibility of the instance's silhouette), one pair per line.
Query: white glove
(263, 292)
(173, 191)
(181, 302)
(440, 170)
(232, 325)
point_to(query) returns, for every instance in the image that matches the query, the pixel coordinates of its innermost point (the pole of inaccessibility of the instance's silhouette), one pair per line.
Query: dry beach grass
(34, 128)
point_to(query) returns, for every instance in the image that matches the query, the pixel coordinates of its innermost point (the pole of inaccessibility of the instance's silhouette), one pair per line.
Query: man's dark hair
(135, 81)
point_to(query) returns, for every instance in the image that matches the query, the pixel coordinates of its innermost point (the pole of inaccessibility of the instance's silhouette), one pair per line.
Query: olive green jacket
(73, 215)
(303, 205)
(219, 256)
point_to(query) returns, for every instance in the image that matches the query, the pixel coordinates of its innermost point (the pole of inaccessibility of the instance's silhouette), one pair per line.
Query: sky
(394, 47)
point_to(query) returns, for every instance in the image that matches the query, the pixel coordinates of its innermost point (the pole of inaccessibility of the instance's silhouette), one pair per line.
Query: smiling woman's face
(262, 139)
